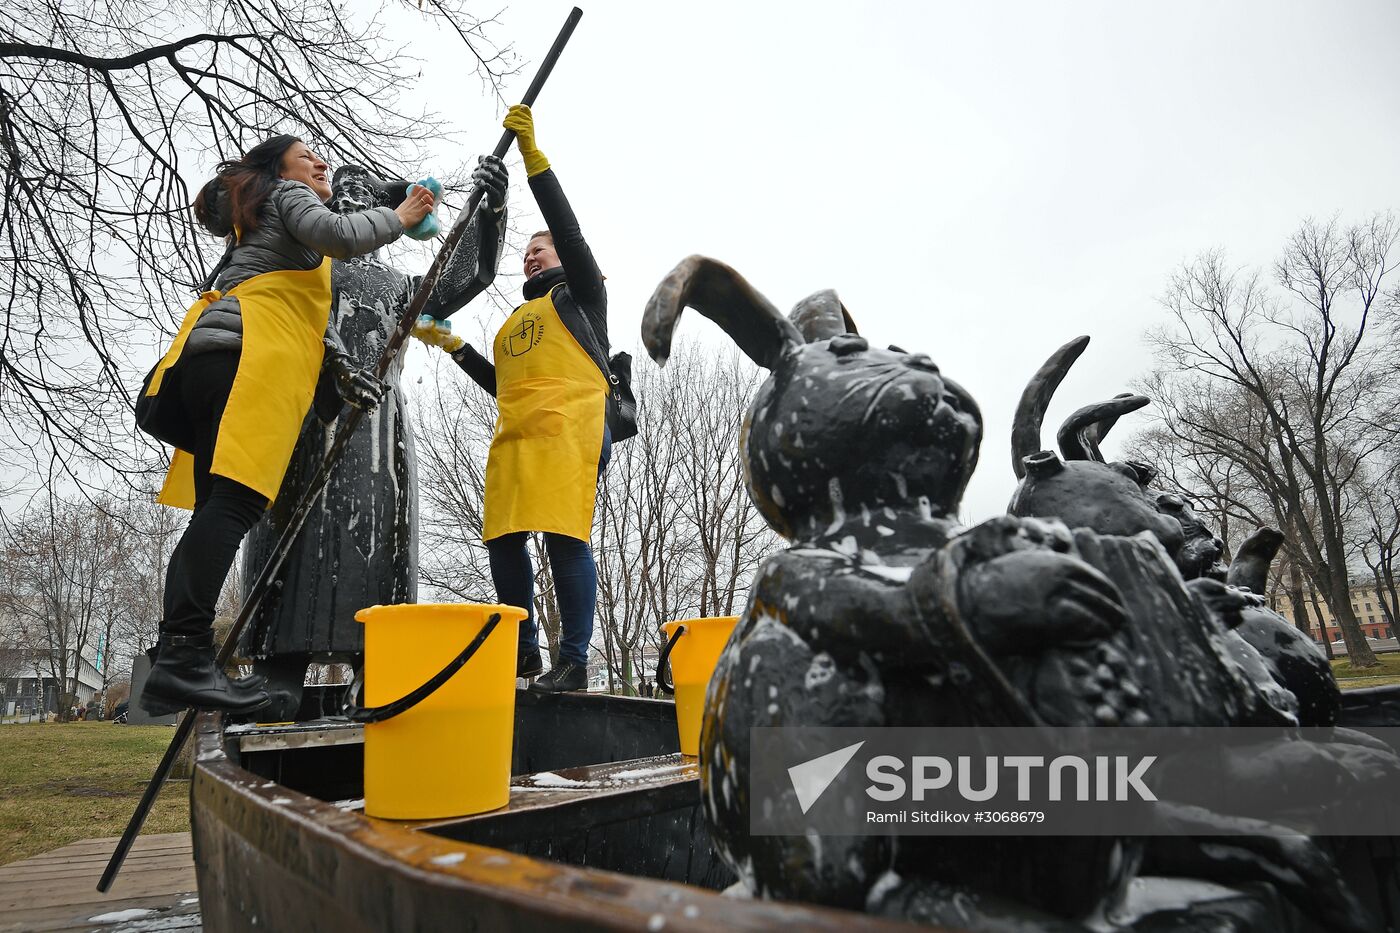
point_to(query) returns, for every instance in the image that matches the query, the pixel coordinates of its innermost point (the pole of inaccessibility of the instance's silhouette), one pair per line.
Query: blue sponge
(428, 227)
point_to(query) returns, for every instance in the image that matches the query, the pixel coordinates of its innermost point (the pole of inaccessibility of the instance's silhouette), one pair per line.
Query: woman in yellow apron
(231, 392)
(551, 442)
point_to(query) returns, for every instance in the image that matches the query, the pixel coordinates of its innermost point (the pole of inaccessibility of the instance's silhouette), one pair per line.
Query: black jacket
(582, 302)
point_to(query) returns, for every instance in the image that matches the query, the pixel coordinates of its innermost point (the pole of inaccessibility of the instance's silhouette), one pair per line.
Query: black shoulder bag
(157, 416)
(622, 404)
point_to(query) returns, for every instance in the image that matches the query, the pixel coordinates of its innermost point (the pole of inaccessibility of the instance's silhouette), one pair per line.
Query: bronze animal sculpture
(1281, 662)
(1084, 490)
(883, 612)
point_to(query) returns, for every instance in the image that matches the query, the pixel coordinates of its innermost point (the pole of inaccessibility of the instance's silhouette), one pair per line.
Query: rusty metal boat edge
(268, 857)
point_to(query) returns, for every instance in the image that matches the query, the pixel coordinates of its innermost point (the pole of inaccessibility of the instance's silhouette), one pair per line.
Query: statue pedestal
(135, 715)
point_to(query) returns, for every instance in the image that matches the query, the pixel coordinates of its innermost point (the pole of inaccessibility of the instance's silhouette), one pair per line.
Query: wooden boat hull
(626, 852)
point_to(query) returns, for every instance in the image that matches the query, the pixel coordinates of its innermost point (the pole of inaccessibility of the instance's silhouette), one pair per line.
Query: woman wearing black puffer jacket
(232, 391)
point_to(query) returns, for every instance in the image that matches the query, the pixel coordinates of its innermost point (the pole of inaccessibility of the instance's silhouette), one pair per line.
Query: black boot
(185, 675)
(250, 682)
(566, 675)
(528, 663)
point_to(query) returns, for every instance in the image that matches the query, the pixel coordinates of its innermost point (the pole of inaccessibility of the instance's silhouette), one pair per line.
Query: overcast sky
(978, 181)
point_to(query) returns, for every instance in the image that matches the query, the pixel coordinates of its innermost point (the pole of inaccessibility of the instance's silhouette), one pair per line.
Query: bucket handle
(353, 711)
(663, 679)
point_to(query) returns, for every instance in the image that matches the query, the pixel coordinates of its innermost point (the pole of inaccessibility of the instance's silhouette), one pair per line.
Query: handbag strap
(594, 343)
(220, 266)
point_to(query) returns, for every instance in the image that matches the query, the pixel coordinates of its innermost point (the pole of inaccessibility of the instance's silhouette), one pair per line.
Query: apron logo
(525, 336)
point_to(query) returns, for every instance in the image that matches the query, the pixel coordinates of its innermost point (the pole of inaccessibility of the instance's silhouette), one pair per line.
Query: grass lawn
(61, 782)
(1387, 673)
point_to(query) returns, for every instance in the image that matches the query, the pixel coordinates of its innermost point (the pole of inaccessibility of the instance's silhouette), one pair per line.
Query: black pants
(223, 509)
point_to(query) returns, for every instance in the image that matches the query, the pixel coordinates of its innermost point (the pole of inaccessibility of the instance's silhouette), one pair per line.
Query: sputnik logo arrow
(811, 778)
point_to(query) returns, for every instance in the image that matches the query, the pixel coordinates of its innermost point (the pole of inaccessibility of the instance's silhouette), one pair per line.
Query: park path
(58, 890)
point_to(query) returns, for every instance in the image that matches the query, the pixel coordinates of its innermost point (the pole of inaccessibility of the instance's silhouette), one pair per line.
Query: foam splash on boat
(634, 773)
(550, 779)
(120, 916)
(531, 787)
(451, 858)
(358, 804)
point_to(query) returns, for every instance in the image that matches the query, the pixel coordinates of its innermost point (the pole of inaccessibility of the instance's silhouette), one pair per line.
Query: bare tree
(1235, 500)
(108, 110)
(453, 423)
(675, 535)
(732, 537)
(154, 530)
(641, 545)
(1294, 388)
(1290, 579)
(1378, 542)
(60, 560)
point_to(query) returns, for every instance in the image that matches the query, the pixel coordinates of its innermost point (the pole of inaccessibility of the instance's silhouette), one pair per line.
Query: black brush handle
(546, 66)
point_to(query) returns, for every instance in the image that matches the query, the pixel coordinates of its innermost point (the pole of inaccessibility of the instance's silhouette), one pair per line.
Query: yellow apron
(542, 471)
(284, 321)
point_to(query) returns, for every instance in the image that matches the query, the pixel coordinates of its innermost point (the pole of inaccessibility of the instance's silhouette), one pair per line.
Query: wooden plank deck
(58, 890)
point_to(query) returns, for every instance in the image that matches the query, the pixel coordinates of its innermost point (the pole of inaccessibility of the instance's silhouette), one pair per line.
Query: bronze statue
(1085, 491)
(883, 612)
(359, 547)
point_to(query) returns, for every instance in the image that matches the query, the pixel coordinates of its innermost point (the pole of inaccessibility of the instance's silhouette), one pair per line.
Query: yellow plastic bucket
(450, 754)
(693, 658)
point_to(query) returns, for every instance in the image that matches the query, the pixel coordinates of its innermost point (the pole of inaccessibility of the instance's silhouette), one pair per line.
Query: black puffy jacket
(295, 231)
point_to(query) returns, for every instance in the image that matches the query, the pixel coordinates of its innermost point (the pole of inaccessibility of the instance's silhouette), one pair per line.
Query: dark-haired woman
(232, 391)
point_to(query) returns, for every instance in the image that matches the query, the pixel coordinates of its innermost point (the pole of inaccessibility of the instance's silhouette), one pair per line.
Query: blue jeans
(575, 581)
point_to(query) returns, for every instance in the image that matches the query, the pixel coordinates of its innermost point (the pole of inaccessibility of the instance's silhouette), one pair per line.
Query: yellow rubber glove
(518, 118)
(437, 334)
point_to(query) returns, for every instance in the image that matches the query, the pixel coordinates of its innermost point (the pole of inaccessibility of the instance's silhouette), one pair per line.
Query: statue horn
(1079, 435)
(723, 296)
(1030, 411)
(1098, 432)
(1250, 568)
(821, 315)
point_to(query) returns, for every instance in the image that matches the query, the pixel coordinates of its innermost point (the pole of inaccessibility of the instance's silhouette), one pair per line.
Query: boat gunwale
(538, 890)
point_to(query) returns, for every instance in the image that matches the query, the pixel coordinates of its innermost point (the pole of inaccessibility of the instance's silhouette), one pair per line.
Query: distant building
(27, 686)
(644, 666)
(1364, 603)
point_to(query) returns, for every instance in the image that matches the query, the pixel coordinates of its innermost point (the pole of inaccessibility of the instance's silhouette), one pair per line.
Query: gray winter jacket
(295, 231)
